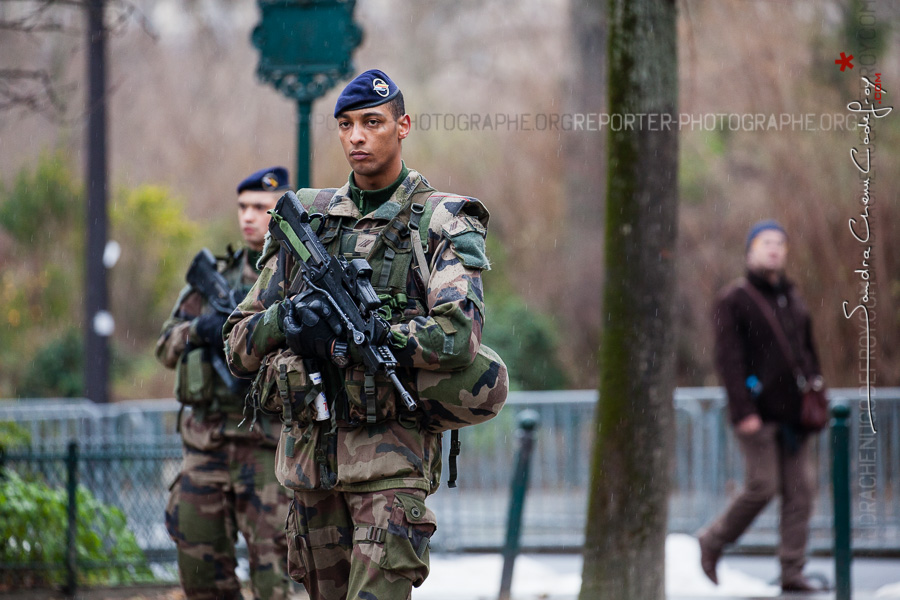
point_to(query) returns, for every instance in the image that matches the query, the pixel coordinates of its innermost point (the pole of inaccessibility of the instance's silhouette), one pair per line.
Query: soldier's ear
(404, 126)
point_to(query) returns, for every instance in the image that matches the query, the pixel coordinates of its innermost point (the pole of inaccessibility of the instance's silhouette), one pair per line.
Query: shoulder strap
(776, 327)
(419, 217)
(412, 216)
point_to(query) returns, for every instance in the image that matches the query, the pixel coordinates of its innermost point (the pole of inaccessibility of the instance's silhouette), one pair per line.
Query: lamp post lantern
(305, 48)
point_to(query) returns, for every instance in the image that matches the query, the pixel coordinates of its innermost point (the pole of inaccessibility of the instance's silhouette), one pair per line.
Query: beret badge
(269, 181)
(381, 88)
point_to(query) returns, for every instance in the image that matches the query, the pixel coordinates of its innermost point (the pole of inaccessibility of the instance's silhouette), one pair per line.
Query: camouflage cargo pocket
(194, 377)
(408, 538)
(451, 400)
(363, 408)
(284, 378)
(294, 388)
(303, 460)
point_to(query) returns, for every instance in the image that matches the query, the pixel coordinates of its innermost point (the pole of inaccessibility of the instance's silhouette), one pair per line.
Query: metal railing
(707, 472)
(130, 453)
(52, 423)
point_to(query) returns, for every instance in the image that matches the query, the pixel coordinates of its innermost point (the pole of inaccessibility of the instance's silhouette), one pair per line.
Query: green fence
(83, 517)
(126, 455)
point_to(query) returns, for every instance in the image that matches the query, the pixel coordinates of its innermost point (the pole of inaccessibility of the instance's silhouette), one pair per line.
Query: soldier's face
(253, 216)
(371, 139)
(768, 252)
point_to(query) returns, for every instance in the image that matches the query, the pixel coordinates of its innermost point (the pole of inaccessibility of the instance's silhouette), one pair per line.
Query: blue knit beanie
(762, 226)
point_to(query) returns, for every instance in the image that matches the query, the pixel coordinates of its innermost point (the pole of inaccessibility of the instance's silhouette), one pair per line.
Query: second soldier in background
(227, 480)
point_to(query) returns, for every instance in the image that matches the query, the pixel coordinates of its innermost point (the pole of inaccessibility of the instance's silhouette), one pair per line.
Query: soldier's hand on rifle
(208, 328)
(311, 326)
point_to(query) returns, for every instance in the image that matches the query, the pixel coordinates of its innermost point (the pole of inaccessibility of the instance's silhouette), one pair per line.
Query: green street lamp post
(305, 48)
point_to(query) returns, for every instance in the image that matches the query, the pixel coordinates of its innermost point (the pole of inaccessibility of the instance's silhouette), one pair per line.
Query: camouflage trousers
(218, 493)
(367, 546)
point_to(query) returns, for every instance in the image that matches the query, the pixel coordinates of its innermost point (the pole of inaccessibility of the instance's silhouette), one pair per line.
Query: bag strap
(776, 327)
(455, 447)
(417, 211)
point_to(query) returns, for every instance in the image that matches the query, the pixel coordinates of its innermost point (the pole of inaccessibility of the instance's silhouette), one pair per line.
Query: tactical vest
(449, 401)
(394, 247)
(196, 382)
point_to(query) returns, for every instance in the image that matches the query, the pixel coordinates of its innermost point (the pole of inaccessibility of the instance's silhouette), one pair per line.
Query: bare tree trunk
(624, 554)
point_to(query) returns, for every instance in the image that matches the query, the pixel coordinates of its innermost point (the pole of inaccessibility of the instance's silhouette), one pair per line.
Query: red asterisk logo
(844, 61)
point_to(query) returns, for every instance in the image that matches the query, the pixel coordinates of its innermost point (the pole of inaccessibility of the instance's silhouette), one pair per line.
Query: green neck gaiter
(368, 200)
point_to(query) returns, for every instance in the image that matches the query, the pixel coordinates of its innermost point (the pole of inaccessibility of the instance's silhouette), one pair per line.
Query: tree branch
(31, 89)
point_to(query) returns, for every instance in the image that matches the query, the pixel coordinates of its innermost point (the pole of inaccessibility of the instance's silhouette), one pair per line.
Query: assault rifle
(346, 285)
(203, 276)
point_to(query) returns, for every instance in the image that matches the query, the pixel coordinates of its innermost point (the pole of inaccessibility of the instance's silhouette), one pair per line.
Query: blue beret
(271, 179)
(369, 89)
(762, 226)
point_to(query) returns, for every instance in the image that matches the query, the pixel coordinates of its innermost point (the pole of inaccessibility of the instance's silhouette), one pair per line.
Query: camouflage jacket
(435, 326)
(207, 424)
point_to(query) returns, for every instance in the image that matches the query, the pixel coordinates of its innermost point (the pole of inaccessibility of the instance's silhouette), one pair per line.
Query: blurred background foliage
(30, 508)
(179, 144)
(42, 283)
(42, 278)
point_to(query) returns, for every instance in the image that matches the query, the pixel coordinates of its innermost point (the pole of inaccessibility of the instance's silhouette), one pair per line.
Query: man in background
(227, 480)
(765, 357)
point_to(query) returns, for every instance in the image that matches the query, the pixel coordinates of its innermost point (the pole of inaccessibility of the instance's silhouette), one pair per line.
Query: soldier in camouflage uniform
(227, 481)
(358, 525)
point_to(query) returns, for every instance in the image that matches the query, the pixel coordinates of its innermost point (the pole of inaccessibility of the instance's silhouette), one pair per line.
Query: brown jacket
(746, 346)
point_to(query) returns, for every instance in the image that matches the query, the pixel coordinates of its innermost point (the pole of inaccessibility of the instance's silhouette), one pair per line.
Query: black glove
(311, 326)
(208, 328)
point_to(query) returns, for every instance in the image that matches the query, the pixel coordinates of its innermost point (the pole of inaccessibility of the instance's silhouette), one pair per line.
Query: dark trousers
(770, 470)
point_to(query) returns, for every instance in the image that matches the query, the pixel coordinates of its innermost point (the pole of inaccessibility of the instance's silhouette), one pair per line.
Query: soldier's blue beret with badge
(372, 88)
(272, 179)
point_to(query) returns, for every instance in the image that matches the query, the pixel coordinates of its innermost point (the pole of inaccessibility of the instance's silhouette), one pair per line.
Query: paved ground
(132, 593)
(560, 575)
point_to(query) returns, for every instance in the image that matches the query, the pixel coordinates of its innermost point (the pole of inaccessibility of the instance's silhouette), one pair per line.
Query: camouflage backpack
(450, 400)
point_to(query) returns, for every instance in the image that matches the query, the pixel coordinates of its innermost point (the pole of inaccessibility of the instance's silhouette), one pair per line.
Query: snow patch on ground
(478, 577)
(684, 577)
(889, 591)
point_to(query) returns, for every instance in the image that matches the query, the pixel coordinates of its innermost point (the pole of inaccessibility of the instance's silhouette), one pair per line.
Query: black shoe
(709, 558)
